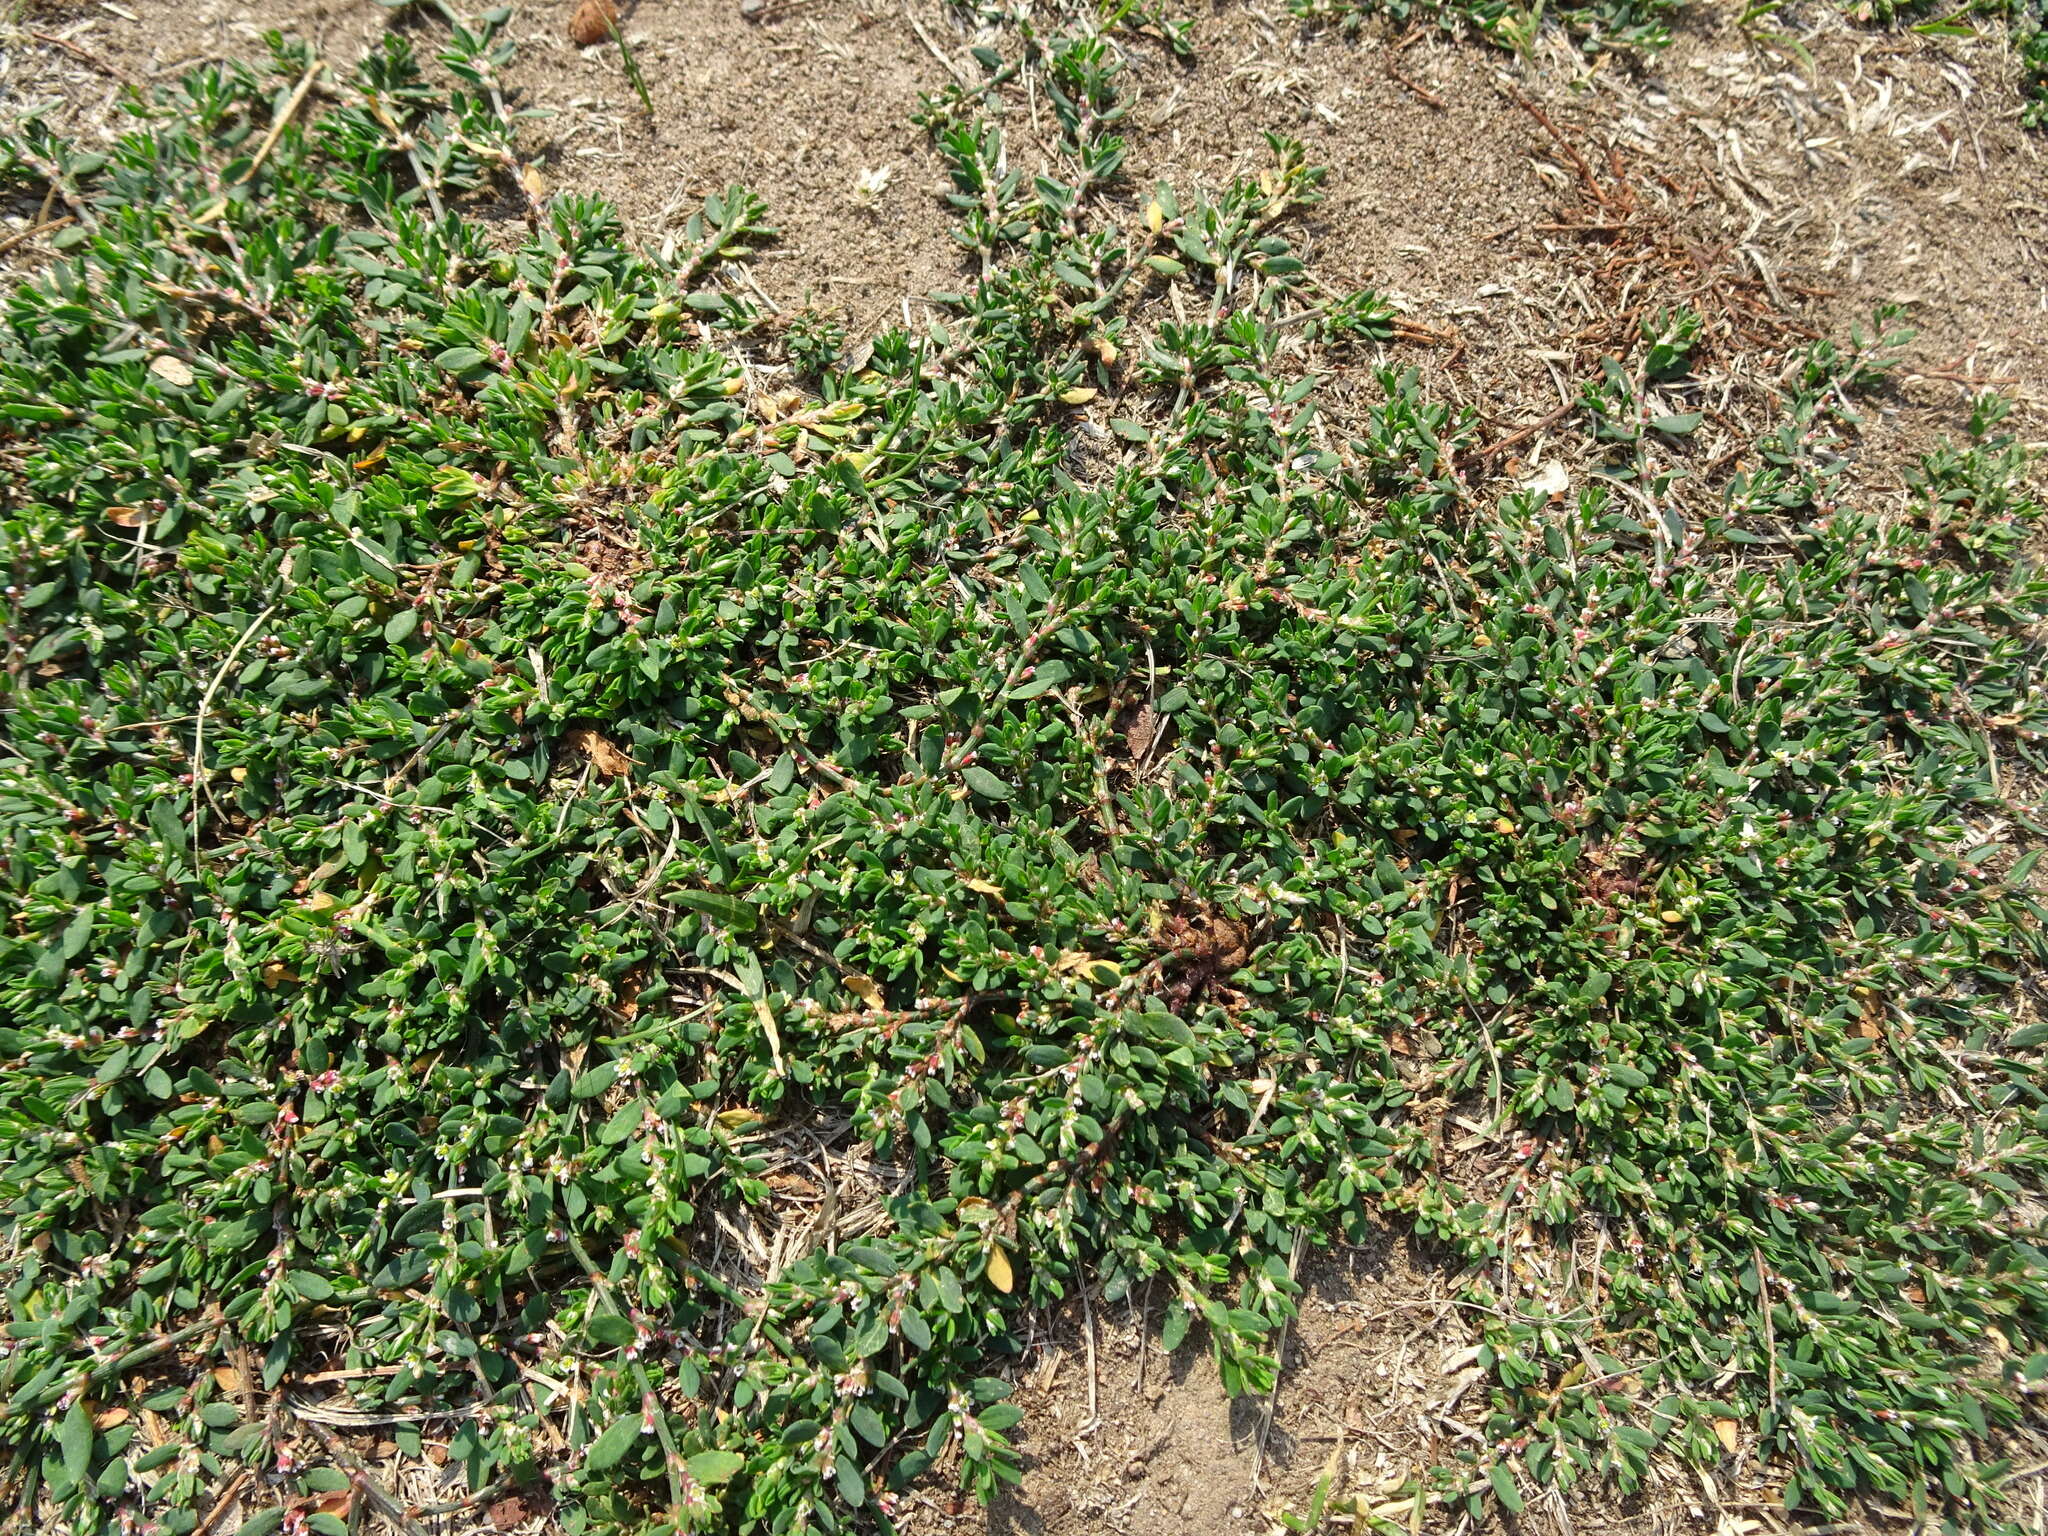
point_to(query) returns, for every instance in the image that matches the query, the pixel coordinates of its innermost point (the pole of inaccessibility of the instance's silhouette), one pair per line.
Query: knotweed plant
(1644, 26)
(523, 768)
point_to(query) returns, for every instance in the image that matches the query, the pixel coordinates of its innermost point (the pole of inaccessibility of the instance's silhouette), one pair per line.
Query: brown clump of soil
(1206, 947)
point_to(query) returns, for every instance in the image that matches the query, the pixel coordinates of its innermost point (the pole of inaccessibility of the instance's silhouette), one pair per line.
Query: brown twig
(1523, 434)
(1403, 81)
(1585, 171)
(1088, 1337)
(933, 49)
(30, 233)
(87, 56)
(220, 1505)
(1415, 331)
(457, 1506)
(1972, 380)
(291, 108)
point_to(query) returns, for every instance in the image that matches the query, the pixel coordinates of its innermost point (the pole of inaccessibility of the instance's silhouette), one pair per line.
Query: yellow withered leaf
(865, 988)
(1078, 962)
(1000, 1275)
(1080, 394)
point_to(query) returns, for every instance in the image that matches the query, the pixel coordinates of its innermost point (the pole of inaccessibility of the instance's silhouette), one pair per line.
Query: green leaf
(846, 1477)
(868, 1425)
(917, 1332)
(610, 1448)
(1504, 1488)
(1174, 1327)
(75, 1441)
(714, 1467)
(986, 784)
(869, 1257)
(729, 910)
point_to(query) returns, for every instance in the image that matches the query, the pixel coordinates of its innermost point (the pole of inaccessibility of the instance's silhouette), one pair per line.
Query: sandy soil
(1783, 201)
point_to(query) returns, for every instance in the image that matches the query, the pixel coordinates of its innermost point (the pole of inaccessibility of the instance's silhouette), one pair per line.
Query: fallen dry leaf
(866, 990)
(509, 1511)
(1143, 732)
(1551, 479)
(1728, 1432)
(110, 1418)
(628, 1003)
(604, 755)
(1000, 1275)
(227, 1378)
(1078, 962)
(593, 22)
